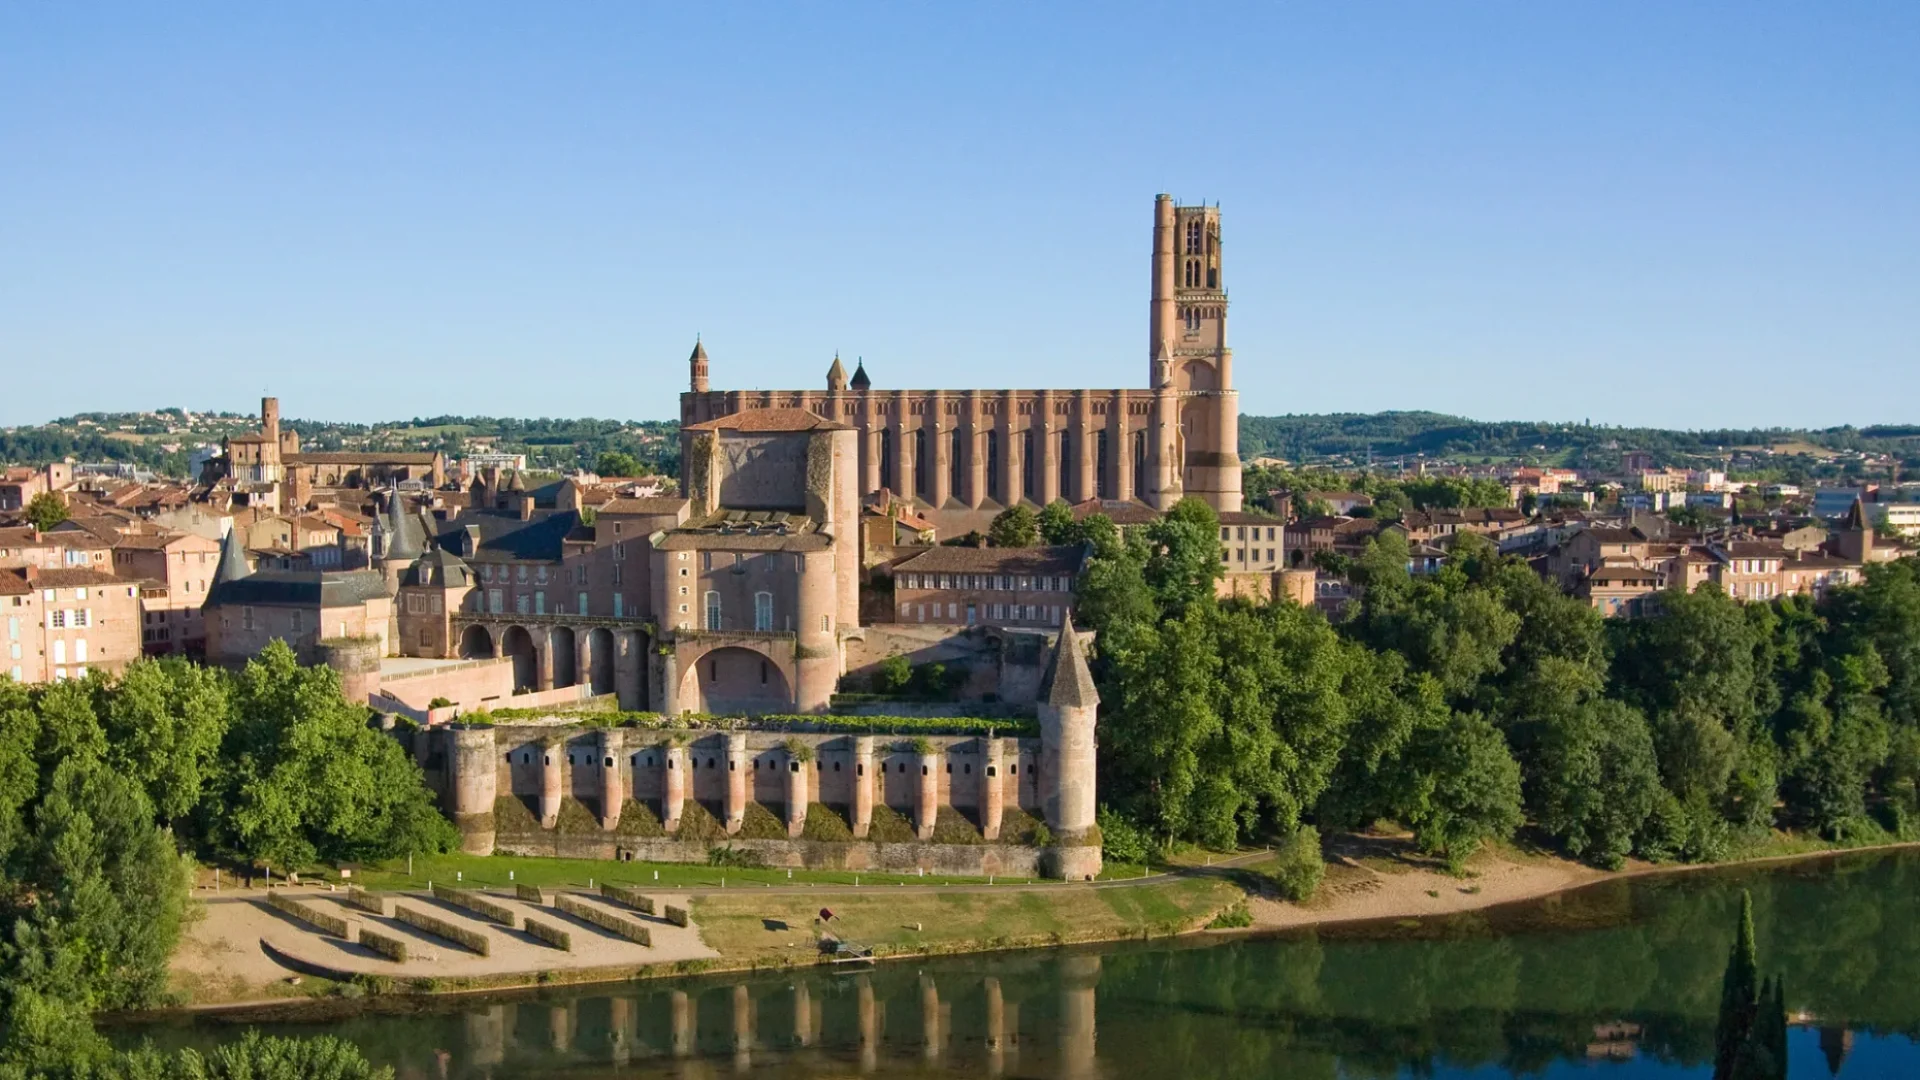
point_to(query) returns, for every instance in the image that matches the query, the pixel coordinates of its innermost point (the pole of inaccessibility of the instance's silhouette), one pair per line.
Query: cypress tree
(1750, 1035)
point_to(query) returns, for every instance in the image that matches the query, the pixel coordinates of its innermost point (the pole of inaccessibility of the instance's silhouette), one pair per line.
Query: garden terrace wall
(605, 920)
(477, 904)
(551, 934)
(576, 785)
(477, 940)
(630, 897)
(370, 902)
(392, 948)
(312, 916)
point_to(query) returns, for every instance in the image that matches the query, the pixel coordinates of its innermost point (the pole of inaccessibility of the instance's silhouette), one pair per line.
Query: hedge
(676, 915)
(477, 904)
(392, 948)
(551, 934)
(605, 920)
(319, 920)
(1012, 727)
(366, 901)
(476, 940)
(629, 897)
(532, 894)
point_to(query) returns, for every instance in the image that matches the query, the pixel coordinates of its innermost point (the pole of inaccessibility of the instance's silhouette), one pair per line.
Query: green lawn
(502, 871)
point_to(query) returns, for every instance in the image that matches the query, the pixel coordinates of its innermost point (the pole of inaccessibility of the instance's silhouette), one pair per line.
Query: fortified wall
(955, 802)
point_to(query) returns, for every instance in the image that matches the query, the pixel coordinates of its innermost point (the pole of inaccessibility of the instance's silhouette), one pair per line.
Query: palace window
(713, 610)
(763, 611)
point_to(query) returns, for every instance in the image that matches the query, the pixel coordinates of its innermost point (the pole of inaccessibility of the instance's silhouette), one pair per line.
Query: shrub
(605, 920)
(477, 940)
(551, 934)
(698, 823)
(439, 703)
(532, 894)
(825, 824)
(676, 915)
(1298, 866)
(478, 904)
(637, 819)
(798, 750)
(393, 948)
(1120, 839)
(630, 897)
(892, 675)
(890, 826)
(1022, 829)
(728, 855)
(952, 827)
(760, 823)
(1234, 918)
(312, 916)
(366, 901)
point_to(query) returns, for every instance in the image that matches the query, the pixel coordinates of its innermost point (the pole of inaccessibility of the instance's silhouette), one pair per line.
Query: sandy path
(1354, 891)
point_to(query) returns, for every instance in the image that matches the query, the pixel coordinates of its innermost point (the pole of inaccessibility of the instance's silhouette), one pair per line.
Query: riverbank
(230, 958)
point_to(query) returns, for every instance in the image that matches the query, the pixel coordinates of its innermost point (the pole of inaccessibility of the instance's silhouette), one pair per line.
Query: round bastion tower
(1068, 706)
(472, 787)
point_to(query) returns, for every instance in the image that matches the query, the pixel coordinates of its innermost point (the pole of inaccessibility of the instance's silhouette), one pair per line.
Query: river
(1617, 980)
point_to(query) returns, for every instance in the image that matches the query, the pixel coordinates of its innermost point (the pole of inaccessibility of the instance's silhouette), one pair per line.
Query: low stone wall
(970, 860)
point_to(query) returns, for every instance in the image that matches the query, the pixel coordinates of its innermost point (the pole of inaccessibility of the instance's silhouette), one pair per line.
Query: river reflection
(1622, 978)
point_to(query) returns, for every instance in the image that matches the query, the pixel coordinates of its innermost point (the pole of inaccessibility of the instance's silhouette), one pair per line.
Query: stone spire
(401, 546)
(836, 375)
(233, 559)
(1068, 682)
(860, 380)
(1856, 518)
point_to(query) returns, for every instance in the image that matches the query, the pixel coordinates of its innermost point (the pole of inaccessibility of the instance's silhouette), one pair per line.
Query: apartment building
(63, 624)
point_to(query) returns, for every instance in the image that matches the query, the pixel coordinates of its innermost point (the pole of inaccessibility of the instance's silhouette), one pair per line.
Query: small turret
(860, 380)
(1068, 707)
(698, 363)
(836, 375)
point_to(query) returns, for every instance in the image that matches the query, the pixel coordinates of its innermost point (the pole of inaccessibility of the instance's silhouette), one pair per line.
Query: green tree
(309, 779)
(618, 463)
(1183, 555)
(101, 895)
(1056, 522)
(1014, 527)
(252, 1057)
(46, 510)
(1461, 788)
(1595, 782)
(1750, 1033)
(163, 722)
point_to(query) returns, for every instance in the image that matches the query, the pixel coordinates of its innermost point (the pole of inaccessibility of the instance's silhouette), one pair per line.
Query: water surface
(1618, 981)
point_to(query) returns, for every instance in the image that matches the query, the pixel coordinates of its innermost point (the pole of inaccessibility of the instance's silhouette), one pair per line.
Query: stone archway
(476, 643)
(561, 643)
(600, 660)
(732, 679)
(517, 643)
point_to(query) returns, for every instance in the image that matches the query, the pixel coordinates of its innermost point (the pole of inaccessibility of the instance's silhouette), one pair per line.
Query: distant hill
(1354, 437)
(157, 439)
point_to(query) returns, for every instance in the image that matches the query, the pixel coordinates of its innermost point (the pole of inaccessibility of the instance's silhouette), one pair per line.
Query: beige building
(966, 454)
(64, 624)
(182, 566)
(973, 586)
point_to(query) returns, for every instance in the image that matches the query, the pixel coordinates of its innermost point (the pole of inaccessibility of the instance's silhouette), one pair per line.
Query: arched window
(1195, 233)
(763, 612)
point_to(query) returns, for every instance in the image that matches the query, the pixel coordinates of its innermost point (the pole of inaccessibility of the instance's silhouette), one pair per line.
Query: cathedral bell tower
(1190, 367)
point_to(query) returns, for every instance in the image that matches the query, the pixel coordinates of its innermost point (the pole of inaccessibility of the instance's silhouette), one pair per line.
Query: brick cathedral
(965, 452)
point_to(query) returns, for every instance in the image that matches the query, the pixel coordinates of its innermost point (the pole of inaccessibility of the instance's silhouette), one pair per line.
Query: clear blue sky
(1679, 214)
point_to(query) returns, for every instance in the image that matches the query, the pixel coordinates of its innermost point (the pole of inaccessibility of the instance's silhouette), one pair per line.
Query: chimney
(32, 574)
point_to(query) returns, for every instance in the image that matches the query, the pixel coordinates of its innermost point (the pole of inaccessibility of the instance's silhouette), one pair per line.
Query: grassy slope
(780, 928)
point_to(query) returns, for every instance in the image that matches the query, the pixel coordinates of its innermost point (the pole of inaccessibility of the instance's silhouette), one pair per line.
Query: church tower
(1197, 411)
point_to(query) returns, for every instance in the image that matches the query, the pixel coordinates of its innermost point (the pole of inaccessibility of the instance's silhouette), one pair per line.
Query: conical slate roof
(233, 559)
(1856, 519)
(860, 380)
(401, 546)
(518, 483)
(1068, 682)
(699, 351)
